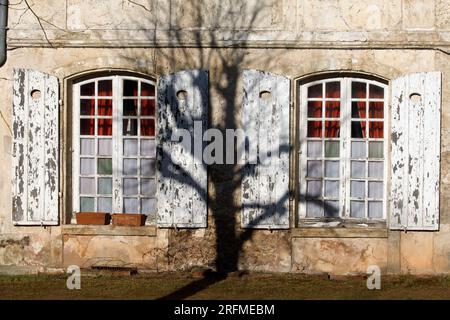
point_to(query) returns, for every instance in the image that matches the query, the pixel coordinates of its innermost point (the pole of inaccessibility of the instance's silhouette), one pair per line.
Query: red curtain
(104, 127)
(359, 110)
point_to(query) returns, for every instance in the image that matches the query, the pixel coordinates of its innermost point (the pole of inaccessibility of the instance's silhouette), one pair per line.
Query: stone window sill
(108, 230)
(352, 232)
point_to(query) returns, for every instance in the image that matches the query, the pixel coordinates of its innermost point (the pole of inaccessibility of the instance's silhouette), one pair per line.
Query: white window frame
(345, 149)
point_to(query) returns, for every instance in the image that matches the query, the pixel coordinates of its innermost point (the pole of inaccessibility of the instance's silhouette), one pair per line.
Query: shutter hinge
(291, 104)
(60, 103)
(60, 195)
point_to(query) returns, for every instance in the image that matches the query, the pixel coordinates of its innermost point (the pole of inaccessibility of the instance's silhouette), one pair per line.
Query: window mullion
(76, 153)
(117, 142)
(346, 145)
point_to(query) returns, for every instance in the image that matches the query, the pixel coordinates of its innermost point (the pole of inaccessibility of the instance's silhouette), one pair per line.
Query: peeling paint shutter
(416, 105)
(35, 148)
(182, 174)
(265, 182)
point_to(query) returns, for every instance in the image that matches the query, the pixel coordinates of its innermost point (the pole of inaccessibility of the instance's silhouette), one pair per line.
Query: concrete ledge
(339, 233)
(108, 230)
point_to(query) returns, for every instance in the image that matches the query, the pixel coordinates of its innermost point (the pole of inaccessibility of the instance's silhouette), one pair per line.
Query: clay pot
(95, 218)
(128, 219)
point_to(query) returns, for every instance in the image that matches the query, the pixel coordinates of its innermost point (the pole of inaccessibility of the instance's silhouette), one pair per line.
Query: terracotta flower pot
(95, 218)
(128, 219)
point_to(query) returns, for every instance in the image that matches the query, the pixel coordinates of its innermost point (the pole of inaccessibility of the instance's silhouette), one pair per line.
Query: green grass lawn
(248, 286)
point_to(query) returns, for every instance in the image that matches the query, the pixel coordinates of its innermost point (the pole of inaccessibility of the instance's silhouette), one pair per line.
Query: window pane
(104, 205)
(147, 127)
(148, 167)
(376, 92)
(148, 148)
(358, 129)
(375, 190)
(332, 109)
(314, 149)
(130, 167)
(87, 204)
(87, 127)
(147, 89)
(130, 186)
(130, 205)
(104, 127)
(332, 129)
(332, 149)
(375, 209)
(376, 110)
(129, 127)
(314, 109)
(87, 185)
(359, 109)
(130, 107)
(375, 149)
(376, 130)
(358, 149)
(148, 206)
(358, 189)
(104, 166)
(333, 89)
(357, 209)
(314, 169)
(332, 169)
(375, 169)
(315, 91)
(148, 187)
(314, 188)
(358, 90)
(148, 107)
(358, 169)
(87, 107)
(104, 107)
(87, 147)
(105, 88)
(105, 185)
(105, 147)
(314, 208)
(332, 189)
(130, 147)
(87, 89)
(130, 88)
(314, 129)
(87, 166)
(331, 208)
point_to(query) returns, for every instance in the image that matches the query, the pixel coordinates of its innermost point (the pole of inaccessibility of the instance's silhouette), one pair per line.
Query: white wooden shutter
(265, 117)
(182, 174)
(416, 111)
(35, 148)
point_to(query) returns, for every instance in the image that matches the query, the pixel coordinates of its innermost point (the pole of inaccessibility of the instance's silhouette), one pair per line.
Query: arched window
(114, 145)
(342, 153)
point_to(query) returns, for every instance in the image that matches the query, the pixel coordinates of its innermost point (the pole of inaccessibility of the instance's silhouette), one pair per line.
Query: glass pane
(376, 110)
(147, 127)
(331, 208)
(358, 149)
(375, 190)
(376, 130)
(87, 107)
(315, 91)
(105, 107)
(332, 109)
(104, 205)
(314, 188)
(87, 127)
(358, 89)
(376, 92)
(148, 107)
(357, 189)
(105, 185)
(148, 206)
(314, 169)
(375, 149)
(375, 169)
(105, 147)
(358, 129)
(130, 147)
(148, 147)
(130, 107)
(375, 209)
(332, 169)
(130, 167)
(359, 109)
(87, 147)
(130, 186)
(87, 204)
(130, 88)
(104, 166)
(314, 109)
(87, 166)
(314, 208)
(358, 169)
(332, 149)
(129, 127)
(130, 205)
(147, 89)
(148, 187)
(332, 189)
(357, 209)
(314, 149)
(314, 129)
(88, 89)
(332, 129)
(148, 167)
(333, 89)
(104, 127)
(87, 185)
(105, 88)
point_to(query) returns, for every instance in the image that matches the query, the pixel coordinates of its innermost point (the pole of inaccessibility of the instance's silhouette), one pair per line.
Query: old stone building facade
(354, 94)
